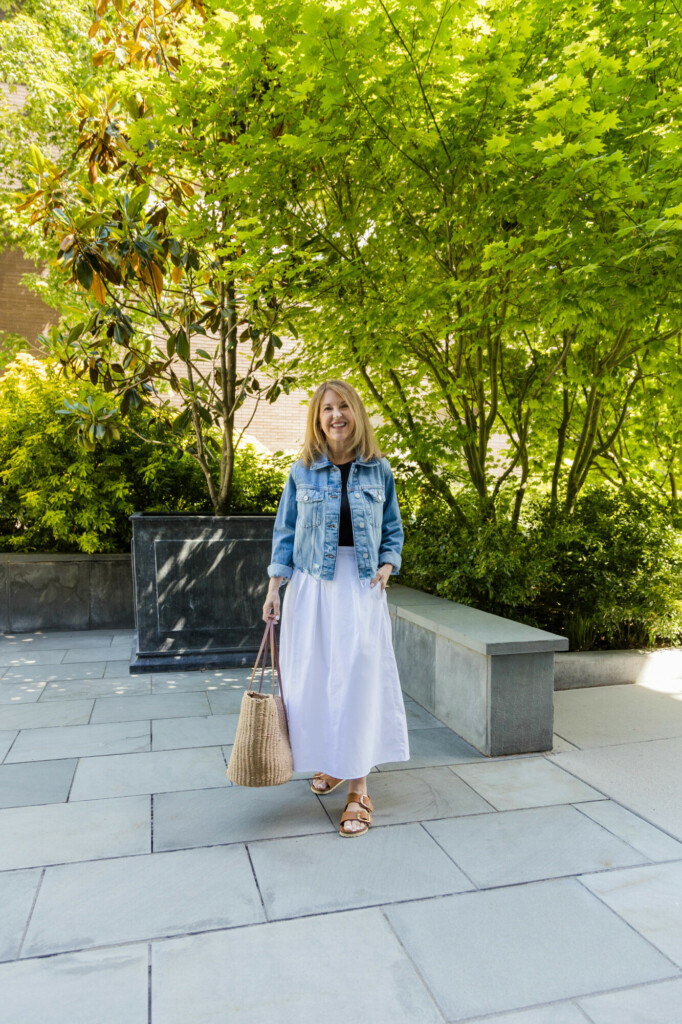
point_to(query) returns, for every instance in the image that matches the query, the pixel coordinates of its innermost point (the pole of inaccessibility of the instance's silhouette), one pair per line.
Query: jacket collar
(323, 460)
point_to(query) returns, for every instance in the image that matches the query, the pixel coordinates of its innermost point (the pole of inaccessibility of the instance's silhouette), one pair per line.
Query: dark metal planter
(200, 584)
(65, 591)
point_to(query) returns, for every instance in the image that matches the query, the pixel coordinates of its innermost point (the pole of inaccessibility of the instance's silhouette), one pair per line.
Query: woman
(337, 538)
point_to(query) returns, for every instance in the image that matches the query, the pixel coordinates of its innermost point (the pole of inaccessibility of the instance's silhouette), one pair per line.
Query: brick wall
(21, 312)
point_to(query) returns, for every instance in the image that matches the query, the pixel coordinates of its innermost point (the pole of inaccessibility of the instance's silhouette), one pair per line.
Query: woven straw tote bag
(261, 755)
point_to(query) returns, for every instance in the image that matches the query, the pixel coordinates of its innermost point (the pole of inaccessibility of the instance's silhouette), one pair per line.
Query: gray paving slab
(63, 833)
(17, 892)
(20, 693)
(86, 635)
(80, 741)
(559, 744)
(72, 689)
(658, 1003)
(218, 679)
(419, 718)
(650, 841)
(117, 667)
(202, 731)
(530, 844)
(7, 738)
(48, 673)
(122, 647)
(77, 655)
(556, 1013)
(524, 782)
(432, 747)
(600, 716)
(35, 782)
(39, 716)
(512, 948)
(159, 705)
(197, 681)
(159, 771)
(644, 777)
(419, 794)
(649, 898)
(320, 873)
(226, 702)
(20, 657)
(183, 820)
(132, 898)
(108, 986)
(47, 641)
(274, 977)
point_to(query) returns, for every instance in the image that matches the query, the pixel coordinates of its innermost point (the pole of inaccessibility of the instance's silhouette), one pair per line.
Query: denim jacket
(306, 530)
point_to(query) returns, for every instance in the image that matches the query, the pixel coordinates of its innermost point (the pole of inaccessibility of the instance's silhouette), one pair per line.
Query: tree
(155, 225)
(45, 54)
(495, 198)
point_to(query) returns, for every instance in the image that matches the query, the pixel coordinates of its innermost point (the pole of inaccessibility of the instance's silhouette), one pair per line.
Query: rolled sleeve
(390, 550)
(281, 558)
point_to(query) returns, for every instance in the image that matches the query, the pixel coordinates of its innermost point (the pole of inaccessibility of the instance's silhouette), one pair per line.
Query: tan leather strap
(269, 639)
(356, 816)
(360, 798)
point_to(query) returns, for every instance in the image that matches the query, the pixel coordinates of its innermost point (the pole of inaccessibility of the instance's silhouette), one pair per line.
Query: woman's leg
(355, 786)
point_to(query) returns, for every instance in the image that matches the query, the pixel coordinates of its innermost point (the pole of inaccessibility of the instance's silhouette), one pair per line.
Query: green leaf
(182, 345)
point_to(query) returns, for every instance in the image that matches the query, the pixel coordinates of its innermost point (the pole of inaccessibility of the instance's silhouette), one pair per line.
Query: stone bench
(491, 680)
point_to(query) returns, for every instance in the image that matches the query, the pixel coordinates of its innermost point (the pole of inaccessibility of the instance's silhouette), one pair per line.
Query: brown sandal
(332, 783)
(364, 816)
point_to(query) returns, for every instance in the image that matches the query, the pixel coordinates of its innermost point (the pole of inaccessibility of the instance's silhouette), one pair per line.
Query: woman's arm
(280, 567)
(281, 559)
(391, 527)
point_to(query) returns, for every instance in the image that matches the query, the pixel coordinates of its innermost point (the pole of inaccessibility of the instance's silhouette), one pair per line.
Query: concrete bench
(489, 679)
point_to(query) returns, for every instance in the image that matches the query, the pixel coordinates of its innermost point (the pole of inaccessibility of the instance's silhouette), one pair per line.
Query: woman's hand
(382, 574)
(272, 603)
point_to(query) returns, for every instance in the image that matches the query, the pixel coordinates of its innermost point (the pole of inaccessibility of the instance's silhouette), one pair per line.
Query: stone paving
(138, 886)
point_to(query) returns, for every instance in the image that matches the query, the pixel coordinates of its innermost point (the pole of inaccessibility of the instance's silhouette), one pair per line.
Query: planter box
(74, 591)
(611, 668)
(200, 584)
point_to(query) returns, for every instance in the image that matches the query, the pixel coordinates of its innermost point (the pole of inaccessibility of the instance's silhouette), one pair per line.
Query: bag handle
(268, 636)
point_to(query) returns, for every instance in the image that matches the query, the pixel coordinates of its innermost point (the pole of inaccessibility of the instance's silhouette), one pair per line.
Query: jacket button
(366, 555)
(361, 523)
(305, 498)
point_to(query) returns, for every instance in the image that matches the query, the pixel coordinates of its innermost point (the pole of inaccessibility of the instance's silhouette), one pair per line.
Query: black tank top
(345, 522)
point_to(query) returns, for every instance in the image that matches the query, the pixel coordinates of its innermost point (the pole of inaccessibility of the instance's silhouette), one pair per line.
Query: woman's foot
(322, 783)
(355, 786)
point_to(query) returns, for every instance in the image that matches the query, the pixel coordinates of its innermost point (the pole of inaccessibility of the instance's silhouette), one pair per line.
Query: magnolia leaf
(182, 345)
(99, 289)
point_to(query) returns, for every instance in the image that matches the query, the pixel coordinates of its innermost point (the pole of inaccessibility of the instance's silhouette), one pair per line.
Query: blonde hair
(363, 442)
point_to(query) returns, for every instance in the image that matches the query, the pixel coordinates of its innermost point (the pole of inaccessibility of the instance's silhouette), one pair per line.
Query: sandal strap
(360, 798)
(356, 816)
(329, 779)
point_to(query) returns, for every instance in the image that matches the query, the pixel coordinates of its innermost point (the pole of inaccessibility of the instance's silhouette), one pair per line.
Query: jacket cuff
(393, 557)
(277, 569)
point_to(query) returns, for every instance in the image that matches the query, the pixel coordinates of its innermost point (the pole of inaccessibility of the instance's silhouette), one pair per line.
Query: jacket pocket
(374, 504)
(309, 501)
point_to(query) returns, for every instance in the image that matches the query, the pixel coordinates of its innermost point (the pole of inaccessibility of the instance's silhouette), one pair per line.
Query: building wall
(21, 312)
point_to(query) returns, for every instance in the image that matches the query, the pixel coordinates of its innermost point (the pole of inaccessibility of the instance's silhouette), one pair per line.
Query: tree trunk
(228, 365)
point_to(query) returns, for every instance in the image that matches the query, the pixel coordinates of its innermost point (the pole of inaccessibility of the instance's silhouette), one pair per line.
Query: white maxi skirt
(340, 679)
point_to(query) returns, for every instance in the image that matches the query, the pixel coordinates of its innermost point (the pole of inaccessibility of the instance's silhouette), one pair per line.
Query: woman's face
(336, 419)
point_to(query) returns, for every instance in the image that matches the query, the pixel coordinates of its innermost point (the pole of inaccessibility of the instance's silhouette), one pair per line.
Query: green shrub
(609, 575)
(54, 496)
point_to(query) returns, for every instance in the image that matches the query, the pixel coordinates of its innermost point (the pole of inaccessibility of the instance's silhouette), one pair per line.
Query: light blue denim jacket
(306, 531)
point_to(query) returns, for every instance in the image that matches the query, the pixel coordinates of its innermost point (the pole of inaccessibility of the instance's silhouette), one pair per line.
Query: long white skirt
(340, 679)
